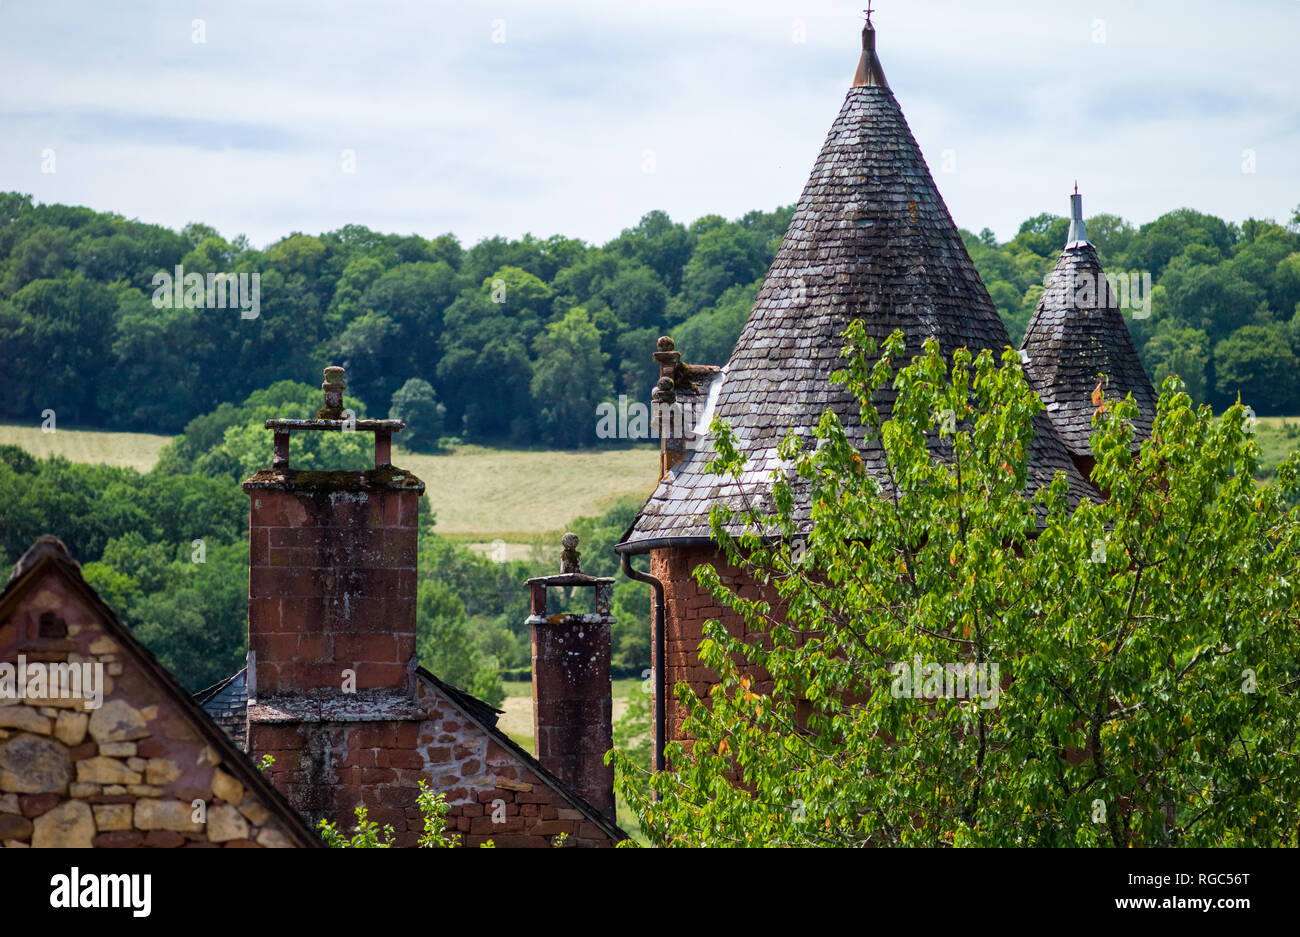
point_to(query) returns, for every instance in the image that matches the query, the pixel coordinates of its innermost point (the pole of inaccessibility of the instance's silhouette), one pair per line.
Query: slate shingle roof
(872, 239)
(1077, 338)
(227, 703)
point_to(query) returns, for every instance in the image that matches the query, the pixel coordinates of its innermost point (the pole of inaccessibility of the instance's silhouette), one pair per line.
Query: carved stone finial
(664, 344)
(569, 558)
(334, 385)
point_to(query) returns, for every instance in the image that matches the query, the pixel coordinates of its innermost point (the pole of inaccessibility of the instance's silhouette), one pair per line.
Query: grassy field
(482, 494)
(1277, 436)
(479, 494)
(134, 450)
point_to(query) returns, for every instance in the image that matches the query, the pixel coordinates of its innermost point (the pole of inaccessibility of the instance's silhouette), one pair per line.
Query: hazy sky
(576, 117)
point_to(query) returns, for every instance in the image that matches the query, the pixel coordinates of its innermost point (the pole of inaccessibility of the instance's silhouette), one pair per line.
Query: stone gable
(145, 767)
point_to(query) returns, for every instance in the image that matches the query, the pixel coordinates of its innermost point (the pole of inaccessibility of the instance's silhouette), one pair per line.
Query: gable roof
(230, 697)
(485, 717)
(870, 239)
(1078, 338)
(48, 552)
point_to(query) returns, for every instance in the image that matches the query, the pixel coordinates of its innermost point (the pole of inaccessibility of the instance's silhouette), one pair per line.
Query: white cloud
(547, 131)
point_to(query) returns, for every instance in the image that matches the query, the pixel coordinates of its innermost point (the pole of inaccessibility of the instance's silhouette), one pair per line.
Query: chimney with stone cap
(572, 708)
(332, 566)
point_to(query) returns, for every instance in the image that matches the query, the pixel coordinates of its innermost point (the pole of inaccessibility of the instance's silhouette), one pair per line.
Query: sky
(576, 117)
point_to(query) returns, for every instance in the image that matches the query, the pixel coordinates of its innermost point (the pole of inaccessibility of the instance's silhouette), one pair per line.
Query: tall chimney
(332, 566)
(572, 709)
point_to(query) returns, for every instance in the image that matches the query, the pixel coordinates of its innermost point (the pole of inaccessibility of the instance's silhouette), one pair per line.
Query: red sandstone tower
(870, 240)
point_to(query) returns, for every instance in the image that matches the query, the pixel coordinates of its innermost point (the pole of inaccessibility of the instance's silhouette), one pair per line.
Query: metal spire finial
(869, 73)
(1078, 236)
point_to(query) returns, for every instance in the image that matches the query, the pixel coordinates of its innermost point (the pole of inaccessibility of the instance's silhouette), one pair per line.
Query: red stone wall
(687, 607)
(125, 774)
(492, 793)
(332, 583)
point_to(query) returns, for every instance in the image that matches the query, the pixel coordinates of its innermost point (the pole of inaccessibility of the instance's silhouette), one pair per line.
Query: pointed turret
(1078, 340)
(870, 239)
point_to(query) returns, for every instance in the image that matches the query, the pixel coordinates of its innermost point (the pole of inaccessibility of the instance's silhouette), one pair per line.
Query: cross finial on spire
(1076, 186)
(869, 74)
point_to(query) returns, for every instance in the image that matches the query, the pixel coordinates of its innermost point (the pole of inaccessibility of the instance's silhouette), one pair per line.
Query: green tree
(661, 244)
(1257, 363)
(415, 404)
(370, 348)
(197, 625)
(233, 441)
(1181, 352)
(445, 643)
(54, 333)
(1147, 644)
(723, 256)
(569, 379)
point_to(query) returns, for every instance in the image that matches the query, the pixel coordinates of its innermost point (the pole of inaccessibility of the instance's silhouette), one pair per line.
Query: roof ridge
(46, 545)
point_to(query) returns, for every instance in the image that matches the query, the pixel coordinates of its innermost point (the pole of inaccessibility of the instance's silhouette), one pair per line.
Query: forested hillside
(518, 340)
(507, 342)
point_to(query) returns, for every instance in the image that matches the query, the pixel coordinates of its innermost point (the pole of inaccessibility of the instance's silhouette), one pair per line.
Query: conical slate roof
(1077, 339)
(872, 239)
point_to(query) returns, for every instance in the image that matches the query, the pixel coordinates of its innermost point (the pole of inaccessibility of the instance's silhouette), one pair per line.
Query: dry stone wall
(133, 772)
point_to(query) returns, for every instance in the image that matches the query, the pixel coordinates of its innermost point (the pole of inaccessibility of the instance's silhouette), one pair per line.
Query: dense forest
(516, 341)
(508, 342)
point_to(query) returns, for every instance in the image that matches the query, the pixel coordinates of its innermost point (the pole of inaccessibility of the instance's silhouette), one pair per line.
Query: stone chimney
(572, 709)
(678, 402)
(332, 566)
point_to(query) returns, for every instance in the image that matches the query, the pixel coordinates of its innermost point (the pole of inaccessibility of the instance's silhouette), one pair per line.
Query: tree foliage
(1147, 644)
(415, 404)
(479, 324)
